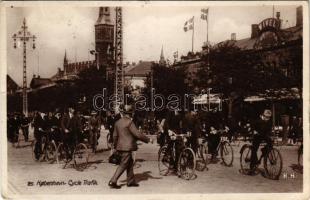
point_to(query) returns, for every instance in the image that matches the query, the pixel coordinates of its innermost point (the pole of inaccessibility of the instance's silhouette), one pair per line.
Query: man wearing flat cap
(125, 136)
(94, 130)
(262, 130)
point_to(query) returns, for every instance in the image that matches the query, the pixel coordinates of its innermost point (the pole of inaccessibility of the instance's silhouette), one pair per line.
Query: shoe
(133, 184)
(114, 185)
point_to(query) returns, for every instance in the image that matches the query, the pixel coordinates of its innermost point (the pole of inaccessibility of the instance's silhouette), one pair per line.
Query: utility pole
(24, 35)
(119, 71)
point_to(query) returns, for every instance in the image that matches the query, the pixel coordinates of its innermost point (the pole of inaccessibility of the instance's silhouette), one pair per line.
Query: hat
(128, 109)
(267, 113)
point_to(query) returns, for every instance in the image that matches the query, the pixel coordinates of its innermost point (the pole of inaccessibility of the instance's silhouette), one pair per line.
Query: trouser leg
(125, 162)
(256, 141)
(130, 174)
(26, 133)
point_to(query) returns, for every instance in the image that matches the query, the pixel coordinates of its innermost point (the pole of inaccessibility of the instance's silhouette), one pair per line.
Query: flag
(189, 25)
(204, 15)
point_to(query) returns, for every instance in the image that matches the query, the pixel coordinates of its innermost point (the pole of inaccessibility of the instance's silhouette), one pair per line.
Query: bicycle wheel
(245, 158)
(109, 144)
(300, 156)
(273, 164)
(187, 164)
(164, 160)
(62, 154)
(51, 151)
(202, 155)
(80, 157)
(227, 154)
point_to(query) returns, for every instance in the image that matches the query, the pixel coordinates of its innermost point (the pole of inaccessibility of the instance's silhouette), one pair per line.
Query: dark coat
(263, 128)
(39, 122)
(191, 123)
(126, 135)
(73, 124)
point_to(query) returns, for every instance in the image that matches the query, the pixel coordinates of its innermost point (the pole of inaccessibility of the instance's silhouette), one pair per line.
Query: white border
(3, 72)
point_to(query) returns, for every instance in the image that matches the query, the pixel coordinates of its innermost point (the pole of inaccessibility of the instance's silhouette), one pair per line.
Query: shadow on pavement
(297, 168)
(144, 176)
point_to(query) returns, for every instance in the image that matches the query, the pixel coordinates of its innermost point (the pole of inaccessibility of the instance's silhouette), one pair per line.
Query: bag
(115, 158)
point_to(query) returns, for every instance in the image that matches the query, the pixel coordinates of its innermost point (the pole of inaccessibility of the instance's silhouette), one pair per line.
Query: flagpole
(208, 27)
(193, 35)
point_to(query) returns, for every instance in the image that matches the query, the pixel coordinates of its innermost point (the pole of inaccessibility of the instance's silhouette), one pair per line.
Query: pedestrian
(125, 138)
(25, 126)
(94, 130)
(110, 121)
(293, 133)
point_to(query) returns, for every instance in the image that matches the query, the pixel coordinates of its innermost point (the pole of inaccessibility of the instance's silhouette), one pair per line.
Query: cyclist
(70, 125)
(173, 123)
(40, 125)
(191, 124)
(262, 128)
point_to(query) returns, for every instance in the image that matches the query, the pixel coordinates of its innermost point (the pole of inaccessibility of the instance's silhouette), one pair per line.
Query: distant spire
(104, 16)
(162, 60)
(65, 62)
(65, 58)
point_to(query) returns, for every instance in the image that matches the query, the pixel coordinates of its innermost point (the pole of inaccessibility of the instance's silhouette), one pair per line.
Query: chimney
(299, 16)
(255, 31)
(233, 36)
(34, 76)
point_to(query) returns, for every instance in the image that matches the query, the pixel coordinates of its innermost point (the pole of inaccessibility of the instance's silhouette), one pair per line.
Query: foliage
(234, 69)
(166, 81)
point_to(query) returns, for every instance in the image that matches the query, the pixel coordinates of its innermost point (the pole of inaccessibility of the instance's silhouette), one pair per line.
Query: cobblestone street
(25, 175)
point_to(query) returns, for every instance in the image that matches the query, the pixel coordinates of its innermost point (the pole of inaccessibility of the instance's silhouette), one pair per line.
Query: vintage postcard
(154, 100)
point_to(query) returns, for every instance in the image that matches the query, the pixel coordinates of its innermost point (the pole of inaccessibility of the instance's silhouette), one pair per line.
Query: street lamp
(24, 35)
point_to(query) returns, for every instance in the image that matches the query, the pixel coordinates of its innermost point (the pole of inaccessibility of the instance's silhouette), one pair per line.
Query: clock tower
(104, 39)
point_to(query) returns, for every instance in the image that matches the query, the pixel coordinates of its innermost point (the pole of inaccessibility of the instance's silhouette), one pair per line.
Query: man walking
(25, 126)
(125, 138)
(94, 130)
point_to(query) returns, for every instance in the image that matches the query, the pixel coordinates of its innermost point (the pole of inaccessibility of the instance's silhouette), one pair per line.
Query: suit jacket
(126, 134)
(39, 122)
(191, 123)
(73, 124)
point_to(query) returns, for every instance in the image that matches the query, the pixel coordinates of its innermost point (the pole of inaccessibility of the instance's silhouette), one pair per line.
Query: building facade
(279, 49)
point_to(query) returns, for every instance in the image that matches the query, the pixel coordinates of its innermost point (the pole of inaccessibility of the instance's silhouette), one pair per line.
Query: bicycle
(272, 158)
(79, 154)
(186, 162)
(224, 147)
(47, 149)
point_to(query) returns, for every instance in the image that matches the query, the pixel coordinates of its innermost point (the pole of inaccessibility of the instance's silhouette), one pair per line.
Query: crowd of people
(71, 127)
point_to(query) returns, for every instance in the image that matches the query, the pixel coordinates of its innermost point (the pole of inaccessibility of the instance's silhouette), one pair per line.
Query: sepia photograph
(156, 99)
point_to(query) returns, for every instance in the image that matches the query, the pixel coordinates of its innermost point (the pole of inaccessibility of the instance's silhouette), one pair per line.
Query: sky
(145, 31)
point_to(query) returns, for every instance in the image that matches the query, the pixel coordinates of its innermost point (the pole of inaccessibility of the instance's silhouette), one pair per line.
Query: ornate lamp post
(24, 35)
